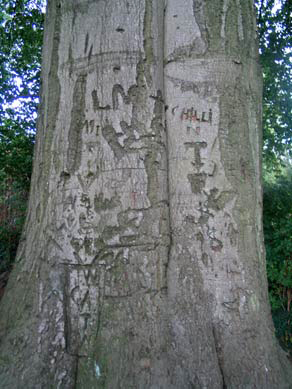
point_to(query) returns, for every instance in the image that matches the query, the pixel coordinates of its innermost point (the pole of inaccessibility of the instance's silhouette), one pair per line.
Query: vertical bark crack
(167, 151)
(75, 382)
(219, 357)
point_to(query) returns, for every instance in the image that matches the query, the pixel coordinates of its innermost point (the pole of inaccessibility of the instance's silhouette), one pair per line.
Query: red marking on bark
(134, 198)
(216, 248)
(192, 115)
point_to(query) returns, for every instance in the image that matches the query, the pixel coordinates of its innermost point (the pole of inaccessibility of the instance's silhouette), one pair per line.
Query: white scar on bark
(224, 13)
(239, 20)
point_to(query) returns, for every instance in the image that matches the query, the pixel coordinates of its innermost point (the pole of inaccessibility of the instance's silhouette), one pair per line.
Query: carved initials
(192, 115)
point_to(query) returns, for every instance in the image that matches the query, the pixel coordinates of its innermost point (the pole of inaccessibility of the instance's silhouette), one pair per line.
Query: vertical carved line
(239, 21)
(223, 25)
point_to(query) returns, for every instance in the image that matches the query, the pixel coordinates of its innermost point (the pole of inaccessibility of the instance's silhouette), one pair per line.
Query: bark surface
(142, 261)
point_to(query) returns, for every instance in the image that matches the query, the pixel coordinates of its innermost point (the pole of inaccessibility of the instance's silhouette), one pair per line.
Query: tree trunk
(142, 260)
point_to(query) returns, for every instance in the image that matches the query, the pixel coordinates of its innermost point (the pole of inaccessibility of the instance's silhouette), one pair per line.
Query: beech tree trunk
(142, 260)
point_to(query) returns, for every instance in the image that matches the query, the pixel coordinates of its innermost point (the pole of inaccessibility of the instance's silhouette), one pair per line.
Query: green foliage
(16, 148)
(278, 234)
(13, 200)
(21, 28)
(275, 26)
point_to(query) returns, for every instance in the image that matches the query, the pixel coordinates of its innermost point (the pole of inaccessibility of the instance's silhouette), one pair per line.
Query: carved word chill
(192, 116)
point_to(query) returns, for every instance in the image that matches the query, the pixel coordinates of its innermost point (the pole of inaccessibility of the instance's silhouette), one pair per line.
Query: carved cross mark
(197, 146)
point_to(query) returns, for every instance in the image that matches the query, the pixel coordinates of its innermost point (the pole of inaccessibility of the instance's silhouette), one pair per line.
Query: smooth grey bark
(142, 262)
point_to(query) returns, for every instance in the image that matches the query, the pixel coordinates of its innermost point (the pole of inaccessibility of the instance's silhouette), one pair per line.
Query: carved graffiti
(95, 102)
(119, 90)
(192, 115)
(196, 146)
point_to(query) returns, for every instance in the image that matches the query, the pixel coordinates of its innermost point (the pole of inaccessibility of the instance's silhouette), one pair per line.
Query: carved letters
(192, 115)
